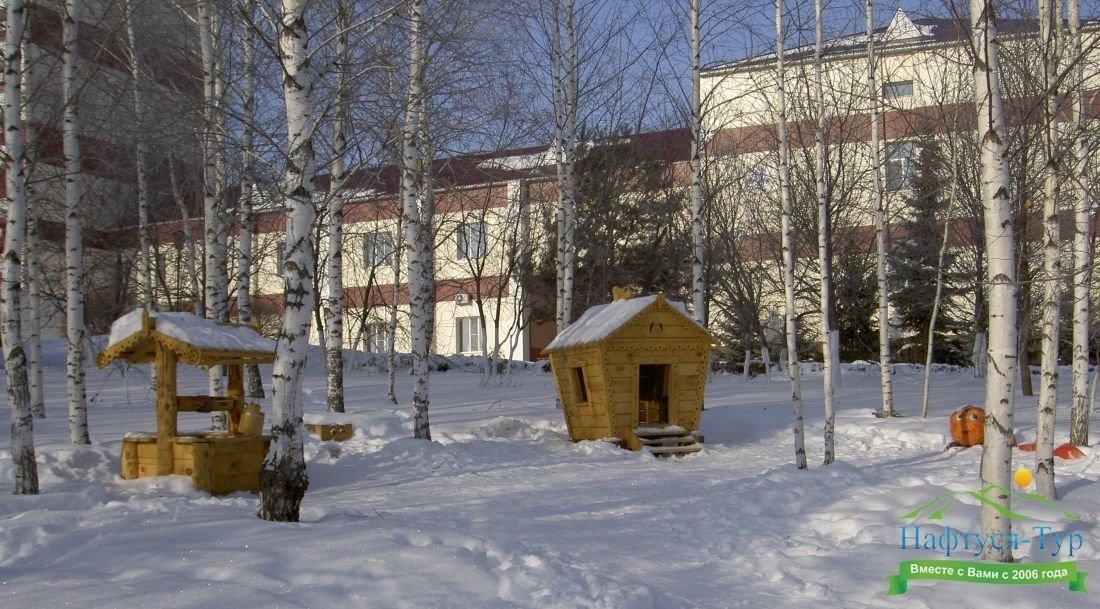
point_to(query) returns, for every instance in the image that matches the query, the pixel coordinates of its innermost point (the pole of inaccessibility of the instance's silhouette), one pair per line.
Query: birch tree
(246, 221)
(15, 362)
(996, 467)
(418, 237)
(1081, 405)
(74, 243)
(791, 317)
(141, 155)
(830, 335)
(886, 368)
(1049, 17)
(33, 275)
(215, 232)
(698, 279)
(563, 62)
(333, 303)
(283, 479)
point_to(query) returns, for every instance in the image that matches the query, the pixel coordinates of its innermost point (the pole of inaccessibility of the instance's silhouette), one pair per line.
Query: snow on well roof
(602, 321)
(190, 329)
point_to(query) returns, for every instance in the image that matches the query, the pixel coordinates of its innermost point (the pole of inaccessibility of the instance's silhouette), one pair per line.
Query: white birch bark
(1049, 16)
(283, 479)
(1081, 403)
(215, 234)
(140, 160)
(886, 366)
(415, 232)
(33, 263)
(391, 324)
(996, 468)
(253, 382)
(793, 368)
(824, 251)
(74, 244)
(564, 66)
(333, 303)
(698, 278)
(25, 468)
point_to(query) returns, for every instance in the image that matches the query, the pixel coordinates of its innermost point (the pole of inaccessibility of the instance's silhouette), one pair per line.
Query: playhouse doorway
(653, 394)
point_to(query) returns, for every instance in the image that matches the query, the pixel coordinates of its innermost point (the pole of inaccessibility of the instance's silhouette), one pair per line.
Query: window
(468, 332)
(472, 240)
(580, 389)
(280, 256)
(899, 165)
(897, 90)
(376, 335)
(377, 248)
(757, 178)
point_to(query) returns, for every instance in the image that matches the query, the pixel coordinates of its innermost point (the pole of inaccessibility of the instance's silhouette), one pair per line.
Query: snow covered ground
(502, 511)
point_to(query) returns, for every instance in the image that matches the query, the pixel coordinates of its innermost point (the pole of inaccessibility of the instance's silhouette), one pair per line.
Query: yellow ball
(1023, 477)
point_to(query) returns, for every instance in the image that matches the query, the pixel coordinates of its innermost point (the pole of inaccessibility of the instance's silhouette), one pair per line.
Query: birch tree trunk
(15, 362)
(333, 303)
(886, 366)
(74, 244)
(283, 479)
(824, 251)
(215, 234)
(793, 369)
(391, 324)
(564, 66)
(415, 232)
(140, 160)
(698, 279)
(1081, 405)
(996, 468)
(1049, 17)
(33, 263)
(253, 382)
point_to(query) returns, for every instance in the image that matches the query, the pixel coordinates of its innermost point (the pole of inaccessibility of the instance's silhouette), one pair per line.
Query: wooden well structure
(216, 462)
(633, 370)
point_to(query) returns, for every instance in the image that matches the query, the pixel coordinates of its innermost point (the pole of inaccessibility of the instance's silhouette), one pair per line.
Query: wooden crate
(216, 463)
(336, 432)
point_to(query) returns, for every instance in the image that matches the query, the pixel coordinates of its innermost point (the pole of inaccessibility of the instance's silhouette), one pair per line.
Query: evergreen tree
(913, 263)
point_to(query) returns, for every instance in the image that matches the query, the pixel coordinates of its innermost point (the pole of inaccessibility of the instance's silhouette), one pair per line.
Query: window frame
(371, 248)
(480, 243)
(467, 331)
(898, 169)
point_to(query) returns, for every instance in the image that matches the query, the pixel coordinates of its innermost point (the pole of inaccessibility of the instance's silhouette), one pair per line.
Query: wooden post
(235, 391)
(166, 408)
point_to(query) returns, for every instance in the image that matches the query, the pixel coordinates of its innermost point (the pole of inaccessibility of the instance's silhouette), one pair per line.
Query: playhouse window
(579, 385)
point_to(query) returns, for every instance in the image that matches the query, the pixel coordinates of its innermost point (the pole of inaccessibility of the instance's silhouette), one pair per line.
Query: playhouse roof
(601, 322)
(196, 341)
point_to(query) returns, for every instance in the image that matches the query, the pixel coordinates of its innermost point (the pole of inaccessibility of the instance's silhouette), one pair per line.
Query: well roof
(196, 341)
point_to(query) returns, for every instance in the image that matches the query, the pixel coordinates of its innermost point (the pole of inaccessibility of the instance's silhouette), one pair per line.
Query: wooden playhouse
(217, 462)
(633, 370)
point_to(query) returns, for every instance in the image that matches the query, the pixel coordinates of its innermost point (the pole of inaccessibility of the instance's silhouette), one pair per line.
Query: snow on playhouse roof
(602, 321)
(196, 341)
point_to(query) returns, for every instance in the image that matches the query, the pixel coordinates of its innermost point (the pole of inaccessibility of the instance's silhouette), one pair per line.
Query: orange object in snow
(1067, 451)
(968, 425)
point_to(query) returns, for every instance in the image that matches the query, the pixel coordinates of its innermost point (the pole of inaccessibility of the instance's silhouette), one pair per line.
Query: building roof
(603, 321)
(200, 342)
(901, 32)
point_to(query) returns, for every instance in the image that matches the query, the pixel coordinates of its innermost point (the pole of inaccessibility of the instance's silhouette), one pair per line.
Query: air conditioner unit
(462, 299)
